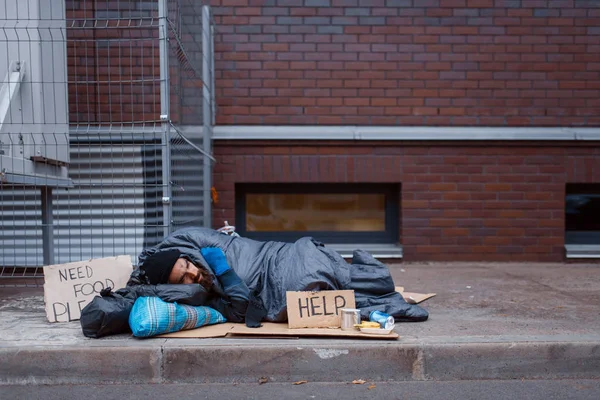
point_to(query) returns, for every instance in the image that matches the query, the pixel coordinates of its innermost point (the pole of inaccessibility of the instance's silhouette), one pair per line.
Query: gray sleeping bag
(269, 269)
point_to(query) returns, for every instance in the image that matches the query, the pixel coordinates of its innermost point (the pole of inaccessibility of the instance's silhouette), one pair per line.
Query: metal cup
(350, 317)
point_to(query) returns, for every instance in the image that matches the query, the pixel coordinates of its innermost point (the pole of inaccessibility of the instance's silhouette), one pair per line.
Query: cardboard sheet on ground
(68, 288)
(271, 329)
(414, 298)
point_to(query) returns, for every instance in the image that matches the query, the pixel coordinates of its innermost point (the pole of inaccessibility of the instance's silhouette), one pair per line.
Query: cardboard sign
(70, 287)
(318, 309)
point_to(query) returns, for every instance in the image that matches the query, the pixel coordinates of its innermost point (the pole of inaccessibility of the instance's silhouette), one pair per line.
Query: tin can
(385, 320)
(350, 317)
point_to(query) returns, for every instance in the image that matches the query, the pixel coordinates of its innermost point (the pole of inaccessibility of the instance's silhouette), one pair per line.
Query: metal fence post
(47, 226)
(207, 116)
(163, 43)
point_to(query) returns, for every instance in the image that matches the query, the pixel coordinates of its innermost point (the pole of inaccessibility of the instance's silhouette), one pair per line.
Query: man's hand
(216, 260)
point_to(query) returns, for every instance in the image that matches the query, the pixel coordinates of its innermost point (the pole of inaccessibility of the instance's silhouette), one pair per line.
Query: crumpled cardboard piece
(414, 298)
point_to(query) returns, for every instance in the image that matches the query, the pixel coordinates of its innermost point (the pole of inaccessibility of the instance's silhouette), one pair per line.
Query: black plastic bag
(107, 314)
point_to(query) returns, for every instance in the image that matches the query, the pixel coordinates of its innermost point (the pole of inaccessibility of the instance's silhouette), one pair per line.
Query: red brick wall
(459, 202)
(347, 62)
(408, 62)
(113, 64)
(113, 52)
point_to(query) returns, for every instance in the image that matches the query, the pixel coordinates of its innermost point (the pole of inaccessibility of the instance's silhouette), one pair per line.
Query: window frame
(585, 237)
(391, 191)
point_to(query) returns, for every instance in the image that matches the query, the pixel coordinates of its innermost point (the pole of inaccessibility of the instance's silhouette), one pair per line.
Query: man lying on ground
(247, 280)
(224, 290)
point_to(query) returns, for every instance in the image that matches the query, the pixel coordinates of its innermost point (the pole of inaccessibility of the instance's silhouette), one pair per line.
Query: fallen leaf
(359, 381)
(371, 387)
(299, 383)
(262, 380)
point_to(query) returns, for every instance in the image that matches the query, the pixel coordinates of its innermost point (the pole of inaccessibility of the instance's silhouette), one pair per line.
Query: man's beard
(207, 278)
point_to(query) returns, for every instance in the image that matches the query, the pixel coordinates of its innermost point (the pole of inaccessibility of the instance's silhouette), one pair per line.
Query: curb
(196, 361)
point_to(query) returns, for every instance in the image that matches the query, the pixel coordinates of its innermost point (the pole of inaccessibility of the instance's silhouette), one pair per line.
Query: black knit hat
(159, 265)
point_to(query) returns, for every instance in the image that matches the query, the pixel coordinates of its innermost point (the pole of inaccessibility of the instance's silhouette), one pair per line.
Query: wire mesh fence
(191, 86)
(105, 144)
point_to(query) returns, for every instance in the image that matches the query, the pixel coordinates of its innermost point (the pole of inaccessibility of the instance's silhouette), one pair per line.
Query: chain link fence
(107, 113)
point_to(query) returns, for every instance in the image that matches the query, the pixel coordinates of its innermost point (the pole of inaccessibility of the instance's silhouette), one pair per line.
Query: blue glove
(216, 260)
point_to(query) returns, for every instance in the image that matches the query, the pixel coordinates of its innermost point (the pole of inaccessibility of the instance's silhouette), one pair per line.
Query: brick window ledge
(583, 250)
(376, 250)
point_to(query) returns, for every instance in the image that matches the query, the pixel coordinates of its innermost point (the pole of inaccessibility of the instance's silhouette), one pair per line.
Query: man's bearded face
(186, 272)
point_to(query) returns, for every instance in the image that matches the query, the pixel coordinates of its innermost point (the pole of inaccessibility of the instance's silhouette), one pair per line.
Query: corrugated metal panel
(187, 166)
(21, 232)
(113, 209)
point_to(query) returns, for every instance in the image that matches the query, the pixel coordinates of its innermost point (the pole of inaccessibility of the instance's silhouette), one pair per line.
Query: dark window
(582, 214)
(331, 213)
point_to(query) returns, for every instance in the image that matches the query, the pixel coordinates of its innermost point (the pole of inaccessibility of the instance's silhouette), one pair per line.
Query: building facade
(450, 130)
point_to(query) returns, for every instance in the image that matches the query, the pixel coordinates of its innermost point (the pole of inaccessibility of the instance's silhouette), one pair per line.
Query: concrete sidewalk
(488, 321)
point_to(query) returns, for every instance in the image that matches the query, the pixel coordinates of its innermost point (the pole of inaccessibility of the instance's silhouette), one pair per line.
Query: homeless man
(245, 280)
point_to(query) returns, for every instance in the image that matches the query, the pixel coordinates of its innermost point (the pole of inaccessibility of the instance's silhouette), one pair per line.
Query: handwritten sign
(68, 288)
(318, 309)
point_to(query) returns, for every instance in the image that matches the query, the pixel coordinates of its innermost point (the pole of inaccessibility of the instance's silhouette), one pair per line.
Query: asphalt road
(457, 390)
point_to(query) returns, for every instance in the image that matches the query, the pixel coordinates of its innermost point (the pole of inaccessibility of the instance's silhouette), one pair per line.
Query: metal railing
(138, 88)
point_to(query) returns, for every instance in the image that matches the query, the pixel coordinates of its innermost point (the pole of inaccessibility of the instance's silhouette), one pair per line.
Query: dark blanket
(269, 269)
